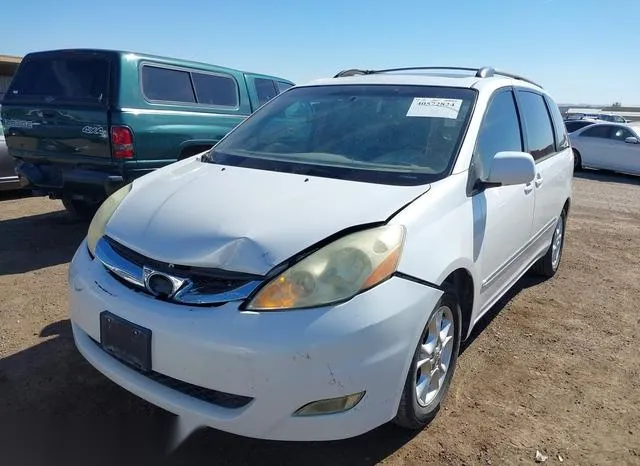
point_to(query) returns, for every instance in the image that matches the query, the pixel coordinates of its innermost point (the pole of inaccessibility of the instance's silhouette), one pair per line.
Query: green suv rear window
(61, 78)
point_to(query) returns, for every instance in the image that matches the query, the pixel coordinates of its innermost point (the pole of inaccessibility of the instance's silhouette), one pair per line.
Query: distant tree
(617, 104)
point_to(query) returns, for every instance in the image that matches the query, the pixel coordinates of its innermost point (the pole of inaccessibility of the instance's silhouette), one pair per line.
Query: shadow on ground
(38, 241)
(608, 176)
(57, 409)
(525, 282)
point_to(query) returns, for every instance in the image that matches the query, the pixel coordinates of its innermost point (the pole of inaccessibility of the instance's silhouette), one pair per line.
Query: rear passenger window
(562, 139)
(213, 89)
(538, 127)
(500, 131)
(597, 131)
(167, 84)
(266, 90)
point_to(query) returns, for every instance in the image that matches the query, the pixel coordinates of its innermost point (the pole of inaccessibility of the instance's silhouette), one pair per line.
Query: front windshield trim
(355, 172)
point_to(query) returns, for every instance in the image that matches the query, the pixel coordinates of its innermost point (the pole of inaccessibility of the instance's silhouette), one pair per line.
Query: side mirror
(511, 168)
(631, 140)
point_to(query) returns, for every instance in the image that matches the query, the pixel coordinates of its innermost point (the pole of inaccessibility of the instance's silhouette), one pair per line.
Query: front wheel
(433, 365)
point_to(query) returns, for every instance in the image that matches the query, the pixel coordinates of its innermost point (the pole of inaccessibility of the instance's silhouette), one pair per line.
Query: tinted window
(166, 84)
(386, 134)
(538, 127)
(576, 125)
(266, 90)
(215, 89)
(500, 131)
(61, 78)
(283, 86)
(597, 131)
(562, 140)
(620, 133)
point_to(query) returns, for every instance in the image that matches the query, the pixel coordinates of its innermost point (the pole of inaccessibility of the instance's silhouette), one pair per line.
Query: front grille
(222, 399)
(205, 280)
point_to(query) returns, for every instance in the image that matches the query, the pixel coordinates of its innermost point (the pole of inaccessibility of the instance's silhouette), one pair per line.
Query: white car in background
(313, 275)
(607, 146)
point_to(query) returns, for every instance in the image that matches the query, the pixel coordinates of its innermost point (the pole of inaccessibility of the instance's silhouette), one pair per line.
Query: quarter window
(213, 89)
(540, 140)
(266, 90)
(283, 86)
(500, 131)
(167, 84)
(562, 139)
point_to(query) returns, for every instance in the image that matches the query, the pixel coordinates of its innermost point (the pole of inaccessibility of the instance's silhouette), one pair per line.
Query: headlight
(335, 272)
(102, 216)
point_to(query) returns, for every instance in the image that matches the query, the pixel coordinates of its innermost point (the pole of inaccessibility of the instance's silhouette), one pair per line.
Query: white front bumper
(283, 360)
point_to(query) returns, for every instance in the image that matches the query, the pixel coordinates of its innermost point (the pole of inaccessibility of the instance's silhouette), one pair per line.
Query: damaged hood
(240, 219)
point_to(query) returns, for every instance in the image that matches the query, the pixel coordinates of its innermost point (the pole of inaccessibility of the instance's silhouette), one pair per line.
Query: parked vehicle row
(607, 146)
(8, 178)
(83, 123)
(313, 275)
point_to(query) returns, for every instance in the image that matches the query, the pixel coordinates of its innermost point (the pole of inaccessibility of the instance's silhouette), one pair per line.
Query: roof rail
(483, 72)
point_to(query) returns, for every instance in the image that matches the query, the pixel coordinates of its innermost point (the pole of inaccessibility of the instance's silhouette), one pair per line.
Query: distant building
(8, 67)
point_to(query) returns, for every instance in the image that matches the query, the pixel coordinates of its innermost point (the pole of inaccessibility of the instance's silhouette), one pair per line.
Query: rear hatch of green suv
(56, 110)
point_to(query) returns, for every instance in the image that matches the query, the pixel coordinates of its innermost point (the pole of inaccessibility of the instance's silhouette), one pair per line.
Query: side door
(548, 145)
(503, 214)
(594, 145)
(624, 156)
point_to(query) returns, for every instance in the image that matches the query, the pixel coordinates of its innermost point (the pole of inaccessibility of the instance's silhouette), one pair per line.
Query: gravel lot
(554, 368)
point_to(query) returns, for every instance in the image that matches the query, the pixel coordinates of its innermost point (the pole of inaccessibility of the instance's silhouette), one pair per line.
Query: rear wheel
(548, 265)
(80, 209)
(577, 161)
(433, 365)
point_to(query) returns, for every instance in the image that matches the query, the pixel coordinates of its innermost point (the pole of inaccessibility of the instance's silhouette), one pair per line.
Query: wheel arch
(461, 282)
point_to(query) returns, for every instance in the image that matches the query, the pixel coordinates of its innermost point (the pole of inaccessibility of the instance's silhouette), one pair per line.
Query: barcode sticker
(433, 107)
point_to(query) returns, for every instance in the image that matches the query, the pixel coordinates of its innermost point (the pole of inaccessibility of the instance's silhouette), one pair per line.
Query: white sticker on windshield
(434, 107)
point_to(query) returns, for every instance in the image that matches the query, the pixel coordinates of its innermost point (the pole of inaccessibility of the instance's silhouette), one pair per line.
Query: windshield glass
(374, 133)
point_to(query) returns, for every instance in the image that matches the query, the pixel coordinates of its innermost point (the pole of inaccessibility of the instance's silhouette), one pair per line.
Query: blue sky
(582, 51)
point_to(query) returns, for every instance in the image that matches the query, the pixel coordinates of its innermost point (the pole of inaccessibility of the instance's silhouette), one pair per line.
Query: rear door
(594, 145)
(549, 146)
(56, 108)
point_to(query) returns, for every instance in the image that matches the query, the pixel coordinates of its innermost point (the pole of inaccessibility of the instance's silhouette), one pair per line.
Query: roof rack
(483, 72)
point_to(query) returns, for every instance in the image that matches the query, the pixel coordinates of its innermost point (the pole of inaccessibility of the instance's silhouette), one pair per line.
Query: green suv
(82, 123)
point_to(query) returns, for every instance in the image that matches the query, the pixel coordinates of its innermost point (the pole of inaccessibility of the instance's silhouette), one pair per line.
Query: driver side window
(500, 131)
(620, 134)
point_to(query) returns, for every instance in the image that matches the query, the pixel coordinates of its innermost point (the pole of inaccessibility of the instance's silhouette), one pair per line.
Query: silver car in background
(8, 178)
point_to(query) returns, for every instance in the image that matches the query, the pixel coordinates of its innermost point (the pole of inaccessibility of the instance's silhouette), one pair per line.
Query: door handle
(528, 188)
(538, 180)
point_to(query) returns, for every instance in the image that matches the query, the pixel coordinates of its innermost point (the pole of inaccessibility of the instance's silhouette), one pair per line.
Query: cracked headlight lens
(336, 272)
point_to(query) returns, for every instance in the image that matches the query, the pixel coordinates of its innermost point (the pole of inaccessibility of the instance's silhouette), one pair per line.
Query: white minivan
(312, 276)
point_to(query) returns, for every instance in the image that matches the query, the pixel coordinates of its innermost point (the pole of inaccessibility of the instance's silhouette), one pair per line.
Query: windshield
(373, 133)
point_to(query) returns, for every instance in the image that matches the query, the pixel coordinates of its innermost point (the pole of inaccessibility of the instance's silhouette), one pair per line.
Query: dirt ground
(555, 367)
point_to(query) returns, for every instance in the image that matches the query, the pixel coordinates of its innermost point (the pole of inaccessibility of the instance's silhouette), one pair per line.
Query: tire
(577, 161)
(413, 414)
(548, 265)
(80, 209)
